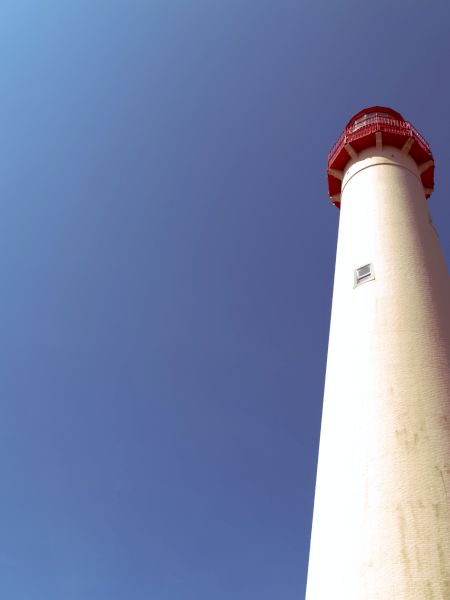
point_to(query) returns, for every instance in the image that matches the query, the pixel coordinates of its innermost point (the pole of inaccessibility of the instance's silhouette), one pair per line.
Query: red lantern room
(378, 126)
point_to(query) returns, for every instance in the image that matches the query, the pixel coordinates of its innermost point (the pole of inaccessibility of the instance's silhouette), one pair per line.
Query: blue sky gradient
(166, 256)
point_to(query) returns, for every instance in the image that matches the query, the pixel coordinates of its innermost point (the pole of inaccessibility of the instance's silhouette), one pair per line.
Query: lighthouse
(381, 524)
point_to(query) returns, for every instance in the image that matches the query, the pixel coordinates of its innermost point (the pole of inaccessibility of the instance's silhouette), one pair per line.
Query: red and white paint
(381, 526)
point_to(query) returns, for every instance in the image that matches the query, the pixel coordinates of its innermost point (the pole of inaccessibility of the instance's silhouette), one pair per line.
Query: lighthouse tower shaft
(381, 527)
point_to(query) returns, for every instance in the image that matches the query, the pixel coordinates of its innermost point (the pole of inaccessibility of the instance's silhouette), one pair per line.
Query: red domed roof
(376, 109)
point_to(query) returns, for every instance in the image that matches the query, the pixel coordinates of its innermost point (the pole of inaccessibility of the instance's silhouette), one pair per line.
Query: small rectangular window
(363, 274)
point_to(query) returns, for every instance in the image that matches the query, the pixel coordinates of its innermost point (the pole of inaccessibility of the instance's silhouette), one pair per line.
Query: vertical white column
(381, 527)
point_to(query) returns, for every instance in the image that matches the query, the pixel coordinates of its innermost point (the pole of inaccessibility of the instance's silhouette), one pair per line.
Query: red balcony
(360, 133)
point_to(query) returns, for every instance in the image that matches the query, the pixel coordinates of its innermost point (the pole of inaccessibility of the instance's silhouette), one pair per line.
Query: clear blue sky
(166, 261)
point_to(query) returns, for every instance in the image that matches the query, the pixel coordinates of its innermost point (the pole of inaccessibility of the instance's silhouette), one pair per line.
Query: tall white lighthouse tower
(381, 527)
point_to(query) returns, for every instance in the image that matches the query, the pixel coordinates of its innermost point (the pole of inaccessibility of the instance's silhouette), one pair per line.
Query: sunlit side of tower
(381, 527)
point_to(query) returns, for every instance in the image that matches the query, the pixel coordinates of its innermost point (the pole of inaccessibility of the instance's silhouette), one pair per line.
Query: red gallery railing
(359, 134)
(371, 124)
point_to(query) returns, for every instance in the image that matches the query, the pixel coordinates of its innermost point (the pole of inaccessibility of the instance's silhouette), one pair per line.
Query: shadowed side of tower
(381, 527)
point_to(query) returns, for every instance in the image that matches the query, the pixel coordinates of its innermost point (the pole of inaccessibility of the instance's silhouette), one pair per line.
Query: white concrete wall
(381, 528)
